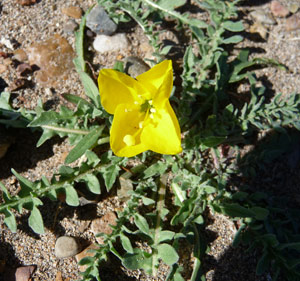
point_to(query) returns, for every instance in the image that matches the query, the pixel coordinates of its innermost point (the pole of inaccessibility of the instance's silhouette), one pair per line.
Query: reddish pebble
(293, 23)
(278, 10)
(26, 2)
(72, 11)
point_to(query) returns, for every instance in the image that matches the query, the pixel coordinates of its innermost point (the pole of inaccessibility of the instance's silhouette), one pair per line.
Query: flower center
(149, 110)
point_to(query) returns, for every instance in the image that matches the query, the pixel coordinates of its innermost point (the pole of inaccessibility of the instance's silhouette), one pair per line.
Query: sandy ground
(24, 25)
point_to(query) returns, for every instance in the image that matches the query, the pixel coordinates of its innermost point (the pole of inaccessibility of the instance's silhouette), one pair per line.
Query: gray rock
(99, 22)
(135, 66)
(262, 16)
(66, 247)
(70, 27)
(104, 43)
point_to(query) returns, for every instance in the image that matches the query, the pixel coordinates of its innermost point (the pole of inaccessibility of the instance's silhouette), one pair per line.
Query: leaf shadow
(270, 167)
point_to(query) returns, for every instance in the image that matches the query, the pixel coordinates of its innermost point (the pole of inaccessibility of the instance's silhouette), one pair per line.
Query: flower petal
(163, 134)
(159, 81)
(125, 131)
(116, 88)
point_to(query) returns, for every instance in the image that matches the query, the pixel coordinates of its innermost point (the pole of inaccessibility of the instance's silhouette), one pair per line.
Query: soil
(23, 25)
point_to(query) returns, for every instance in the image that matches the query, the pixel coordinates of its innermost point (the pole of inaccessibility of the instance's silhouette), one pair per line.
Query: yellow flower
(143, 117)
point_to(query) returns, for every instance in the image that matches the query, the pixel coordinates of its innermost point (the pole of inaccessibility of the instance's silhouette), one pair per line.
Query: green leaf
(295, 246)
(26, 185)
(167, 253)
(10, 220)
(240, 195)
(110, 175)
(233, 26)
(92, 183)
(71, 196)
(84, 144)
(35, 221)
(236, 210)
(147, 201)
(260, 213)
(5, 193)
(137, 260)
(91, 90)
(141, 223)
(76, 100)
(87, 261)
(4, 101)
(263, 264)
(157, 168)
(233, 39)
(165, 235)
(212, 141)
(126, 244)
(199, 220)
(171, 5)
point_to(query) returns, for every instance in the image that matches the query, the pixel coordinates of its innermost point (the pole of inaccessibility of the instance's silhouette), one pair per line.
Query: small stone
(293, 22)
(294, 7)
(20, 55)
(278, 10)
(86, 253)
(102, 225)
(9, 43)
(135, 66)
(99, 22)
(257, 27)
(70, 27)
(3, 54)
(24, 273)
(104, 43)
(23, 69)
(26, 2)
(3, 68)
(7, 61)
(17, 84)
(72, 11)
(54, 57)
(262, 17)
(66, 247)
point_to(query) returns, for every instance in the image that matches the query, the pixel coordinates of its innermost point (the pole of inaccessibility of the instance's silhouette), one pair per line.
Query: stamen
(141, 124)
(129, 140)
(150, 102)
(136, 102)
(153, 110)
(151, 116)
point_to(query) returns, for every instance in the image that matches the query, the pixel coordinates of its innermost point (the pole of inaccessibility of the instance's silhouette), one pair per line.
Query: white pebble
(104, 43)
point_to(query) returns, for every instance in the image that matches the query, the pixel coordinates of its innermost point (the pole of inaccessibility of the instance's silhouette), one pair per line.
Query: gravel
(20, 26)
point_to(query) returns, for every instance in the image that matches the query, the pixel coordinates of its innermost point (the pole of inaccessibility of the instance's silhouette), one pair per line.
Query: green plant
(196, 179)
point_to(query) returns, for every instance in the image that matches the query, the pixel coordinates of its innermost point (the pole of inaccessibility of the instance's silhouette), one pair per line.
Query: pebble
(263, 17)
(104, 43)
(3, 68)
(26, 2)
(20, 55)
(54, 57)
(102, 225)
(134, 66)
(293, 22)
(278, 10)
(72, 11)
(70, 27)
(66, 246)
(294, 7)
(85, 253)
(99, 21)
(8, 43)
